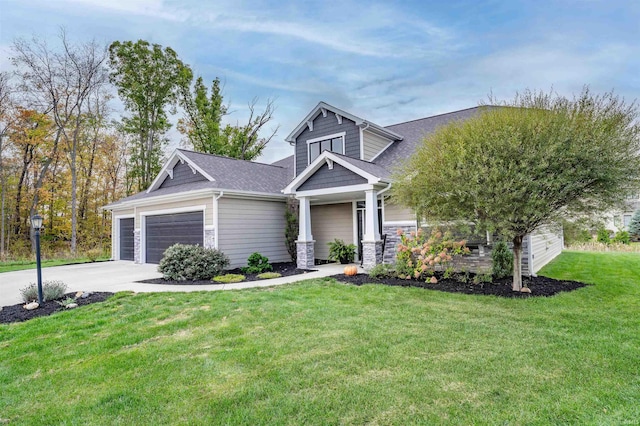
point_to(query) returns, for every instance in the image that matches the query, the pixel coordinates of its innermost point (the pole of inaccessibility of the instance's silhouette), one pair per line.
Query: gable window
(332, 143)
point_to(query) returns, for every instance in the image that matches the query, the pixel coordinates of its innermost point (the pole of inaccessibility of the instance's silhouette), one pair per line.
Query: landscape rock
(78, 294)
(31, 306)
(85, 294)
(525, 290)
(72, 305)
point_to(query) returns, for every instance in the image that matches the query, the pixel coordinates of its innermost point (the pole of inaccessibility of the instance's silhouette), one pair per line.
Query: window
(627, 221)
(333, 143)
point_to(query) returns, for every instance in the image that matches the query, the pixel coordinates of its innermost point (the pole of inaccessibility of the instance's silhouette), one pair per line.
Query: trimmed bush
(269, 275)
(603, 236)
(51, 290)
(502, 259)
(229, 278)
(183, 262)
(622, 237)
(341, 252)
(256, 264)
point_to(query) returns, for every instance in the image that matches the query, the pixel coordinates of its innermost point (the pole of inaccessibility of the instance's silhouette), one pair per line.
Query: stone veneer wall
(371, 254)
(209, 238)
(478, 260)
(136, 246)
(305, 254)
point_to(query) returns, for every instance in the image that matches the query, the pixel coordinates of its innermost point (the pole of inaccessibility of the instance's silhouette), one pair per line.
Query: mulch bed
(17, 313)
(540, 286)
(285, 269)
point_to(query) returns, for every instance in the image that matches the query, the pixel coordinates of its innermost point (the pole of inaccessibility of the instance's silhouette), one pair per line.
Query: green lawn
(19, 265)
(321, 352)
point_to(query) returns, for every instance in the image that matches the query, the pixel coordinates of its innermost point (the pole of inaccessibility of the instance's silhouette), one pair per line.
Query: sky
(384, 61)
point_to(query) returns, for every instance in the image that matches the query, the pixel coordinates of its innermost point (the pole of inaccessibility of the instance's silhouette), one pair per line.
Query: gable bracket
(310, 125)
(339, 117)
(181, 160)
(170, 173)
(330, 163)
(192, 168)
(324, 112)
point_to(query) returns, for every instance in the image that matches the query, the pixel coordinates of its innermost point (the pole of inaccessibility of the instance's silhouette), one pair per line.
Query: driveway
(120, 275)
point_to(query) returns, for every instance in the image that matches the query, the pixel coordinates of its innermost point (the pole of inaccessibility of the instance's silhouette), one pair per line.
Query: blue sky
(386, 61)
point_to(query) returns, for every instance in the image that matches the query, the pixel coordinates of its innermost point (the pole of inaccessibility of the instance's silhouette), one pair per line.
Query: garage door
(126, 239)
(165, 230)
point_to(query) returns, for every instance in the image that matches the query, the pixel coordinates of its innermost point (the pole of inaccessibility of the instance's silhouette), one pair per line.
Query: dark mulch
(285, 269)
(17, 313)
(540, 286)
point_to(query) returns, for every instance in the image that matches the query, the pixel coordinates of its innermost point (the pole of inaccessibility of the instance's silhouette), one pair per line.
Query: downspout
(216, 219)
(362, 129)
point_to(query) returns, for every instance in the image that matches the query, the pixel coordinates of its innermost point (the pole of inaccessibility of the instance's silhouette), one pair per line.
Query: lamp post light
(36, 224)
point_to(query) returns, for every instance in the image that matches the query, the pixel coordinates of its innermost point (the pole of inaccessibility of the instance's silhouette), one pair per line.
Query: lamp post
(36, 224)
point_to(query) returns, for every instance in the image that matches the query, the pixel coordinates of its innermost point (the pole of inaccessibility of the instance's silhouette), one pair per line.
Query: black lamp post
(36, 224)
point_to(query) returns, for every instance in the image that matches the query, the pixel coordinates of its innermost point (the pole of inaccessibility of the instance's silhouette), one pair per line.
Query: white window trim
(326, 137)
(115, 254)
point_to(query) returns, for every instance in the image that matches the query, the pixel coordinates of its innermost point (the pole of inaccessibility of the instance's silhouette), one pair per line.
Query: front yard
(325, 352)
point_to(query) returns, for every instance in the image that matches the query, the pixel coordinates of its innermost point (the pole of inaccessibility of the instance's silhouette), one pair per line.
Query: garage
(126, 239)
(162, 231)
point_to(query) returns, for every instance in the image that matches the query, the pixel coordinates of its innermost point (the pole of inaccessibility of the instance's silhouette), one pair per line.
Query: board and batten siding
(183, 206)
(546, 244)
(329, 222)
(396, 213)
(372, 144)
(247, 226)
(323, 126)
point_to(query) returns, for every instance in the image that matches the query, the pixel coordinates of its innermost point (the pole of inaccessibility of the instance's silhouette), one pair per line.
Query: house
(619, 220)
(340, 172)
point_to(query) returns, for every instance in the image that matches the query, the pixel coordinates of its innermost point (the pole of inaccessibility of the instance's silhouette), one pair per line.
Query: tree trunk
(517, 263)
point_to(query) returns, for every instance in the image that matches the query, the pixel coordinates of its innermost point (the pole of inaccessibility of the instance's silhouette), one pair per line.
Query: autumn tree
(6, 114)
(202, 124)
(61, 83)
(148, 79)
(514, 168)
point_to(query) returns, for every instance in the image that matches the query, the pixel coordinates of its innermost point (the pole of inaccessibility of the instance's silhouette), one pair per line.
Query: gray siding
(325, 178)
(182, 174)
(329, 222)
(247, 226)
(326, 126)
(373, 144)
(546, 244)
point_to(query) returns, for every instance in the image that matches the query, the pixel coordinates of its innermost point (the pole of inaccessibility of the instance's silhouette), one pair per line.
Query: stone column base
(371, 254)
(137, 250)
(306, 254)
(209, 237)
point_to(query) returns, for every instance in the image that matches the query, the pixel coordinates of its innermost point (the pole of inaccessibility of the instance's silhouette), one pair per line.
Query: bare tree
(61, 84)
(6, 106)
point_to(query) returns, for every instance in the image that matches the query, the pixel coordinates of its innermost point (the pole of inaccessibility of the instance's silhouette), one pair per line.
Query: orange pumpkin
(350, 270)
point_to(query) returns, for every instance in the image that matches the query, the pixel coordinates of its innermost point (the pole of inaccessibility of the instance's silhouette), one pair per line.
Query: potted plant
(341, 252)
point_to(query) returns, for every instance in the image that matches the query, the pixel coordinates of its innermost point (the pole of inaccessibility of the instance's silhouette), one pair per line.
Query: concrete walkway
(117, 276)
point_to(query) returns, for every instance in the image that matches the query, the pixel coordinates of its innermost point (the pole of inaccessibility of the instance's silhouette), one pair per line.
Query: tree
(634, 225)
(6, 112)
(203, 127)
(148, 80)
(526, 164)
(61, 83)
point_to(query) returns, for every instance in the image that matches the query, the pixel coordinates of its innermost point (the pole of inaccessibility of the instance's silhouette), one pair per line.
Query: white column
(304, 225)
(372, 232)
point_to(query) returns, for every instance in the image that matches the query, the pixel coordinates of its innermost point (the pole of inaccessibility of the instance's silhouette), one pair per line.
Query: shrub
(341, 252)
(382, 270)
(93, 254)
(183, 262)
(269, 275)
(229, 278)
(622, 237)
(291, 229)
(419, 256)
(603, 236)
(502, 259)
(51, 290)
(482, 278)
(256, 264)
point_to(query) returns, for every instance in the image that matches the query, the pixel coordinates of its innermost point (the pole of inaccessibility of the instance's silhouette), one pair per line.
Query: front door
(360, 208)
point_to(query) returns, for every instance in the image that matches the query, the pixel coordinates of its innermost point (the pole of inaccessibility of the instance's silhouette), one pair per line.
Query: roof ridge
(438, 115)
(230, 158)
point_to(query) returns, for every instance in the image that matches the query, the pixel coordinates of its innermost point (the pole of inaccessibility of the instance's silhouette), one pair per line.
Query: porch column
(305, 243)
(371, 243)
